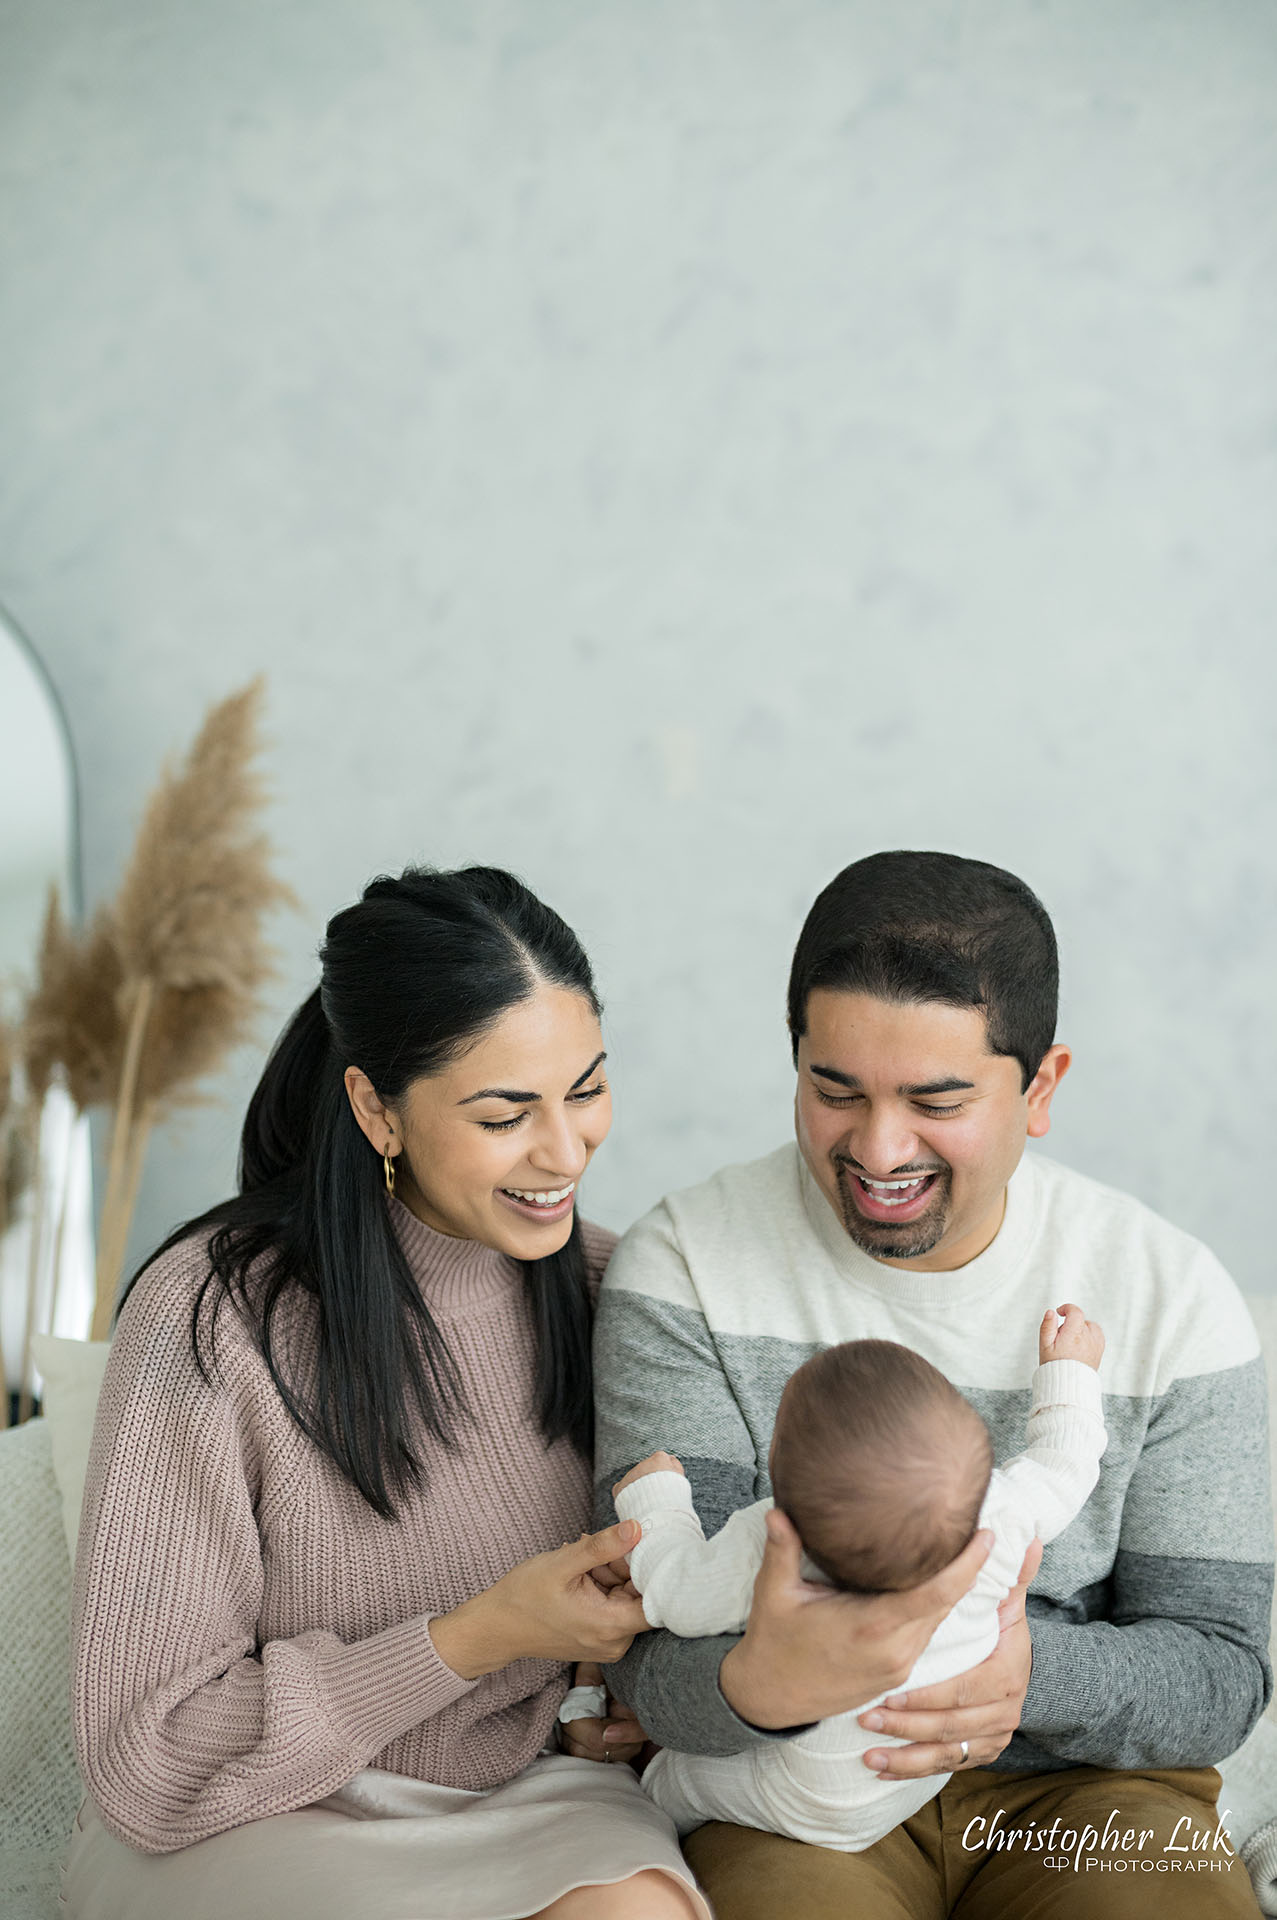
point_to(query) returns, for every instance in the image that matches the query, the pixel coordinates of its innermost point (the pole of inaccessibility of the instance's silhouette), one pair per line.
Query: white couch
(41, 1483)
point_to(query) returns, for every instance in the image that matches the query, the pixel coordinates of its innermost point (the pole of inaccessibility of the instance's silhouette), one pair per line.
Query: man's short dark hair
(914, 927)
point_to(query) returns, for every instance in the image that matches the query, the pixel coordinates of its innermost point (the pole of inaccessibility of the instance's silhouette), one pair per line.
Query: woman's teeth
(550, 1199)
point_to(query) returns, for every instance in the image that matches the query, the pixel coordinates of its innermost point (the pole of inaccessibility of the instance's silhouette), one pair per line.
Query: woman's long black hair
(419, 967)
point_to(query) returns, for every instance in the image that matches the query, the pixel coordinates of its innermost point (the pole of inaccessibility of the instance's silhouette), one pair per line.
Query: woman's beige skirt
(395, 1848)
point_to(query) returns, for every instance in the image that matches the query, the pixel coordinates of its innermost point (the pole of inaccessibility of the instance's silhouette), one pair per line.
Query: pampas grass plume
(189, 907)
(137, 1010)
(189, 912)
(73, 1019)
(15, 1170)
(187, 926)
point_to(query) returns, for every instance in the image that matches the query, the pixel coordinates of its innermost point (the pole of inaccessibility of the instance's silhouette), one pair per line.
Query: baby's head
(880, 1463)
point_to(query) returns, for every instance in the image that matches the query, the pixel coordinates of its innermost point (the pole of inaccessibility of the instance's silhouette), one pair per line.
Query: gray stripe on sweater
(1176, 1671)
(700, 1415)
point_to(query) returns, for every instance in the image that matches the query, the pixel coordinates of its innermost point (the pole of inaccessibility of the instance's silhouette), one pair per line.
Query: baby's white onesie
(816, 1787)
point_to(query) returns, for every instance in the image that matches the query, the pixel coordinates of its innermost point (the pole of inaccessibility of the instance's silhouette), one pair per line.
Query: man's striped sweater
(1150, 1615)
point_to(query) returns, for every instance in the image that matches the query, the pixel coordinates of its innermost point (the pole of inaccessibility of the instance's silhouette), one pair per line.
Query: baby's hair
(881, 1465)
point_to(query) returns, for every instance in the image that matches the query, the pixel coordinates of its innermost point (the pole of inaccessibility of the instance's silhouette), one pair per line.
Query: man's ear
(1056, 1062)
(377, 1122)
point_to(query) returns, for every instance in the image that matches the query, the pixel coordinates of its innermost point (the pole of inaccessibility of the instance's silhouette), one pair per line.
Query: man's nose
(883, 1141)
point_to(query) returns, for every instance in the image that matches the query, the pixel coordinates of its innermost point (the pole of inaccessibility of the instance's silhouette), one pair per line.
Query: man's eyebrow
(843, 1079)
(519, 1097)
(930, 1086)
(940, 1086)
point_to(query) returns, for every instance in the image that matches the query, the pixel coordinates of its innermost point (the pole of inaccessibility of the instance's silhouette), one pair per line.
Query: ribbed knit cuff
(376, 1689)
(1069, 1384)
(1061, 1695)
(666, 1492)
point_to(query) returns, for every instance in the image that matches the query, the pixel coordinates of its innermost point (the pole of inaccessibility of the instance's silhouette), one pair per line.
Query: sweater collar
(999, 1262)
(455, 1276)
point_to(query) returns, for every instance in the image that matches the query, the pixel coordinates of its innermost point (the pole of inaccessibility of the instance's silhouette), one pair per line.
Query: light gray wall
(671, 450)
(37, 815)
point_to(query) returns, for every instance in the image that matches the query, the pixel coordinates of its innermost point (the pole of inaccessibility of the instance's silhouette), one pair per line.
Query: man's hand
(810, 1651)
(981, 1707)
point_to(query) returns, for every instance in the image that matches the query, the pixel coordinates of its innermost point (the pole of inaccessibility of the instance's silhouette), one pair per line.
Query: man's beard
(886, 1240)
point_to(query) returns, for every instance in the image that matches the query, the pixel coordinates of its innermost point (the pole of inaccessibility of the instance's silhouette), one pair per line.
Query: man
(922, 1009)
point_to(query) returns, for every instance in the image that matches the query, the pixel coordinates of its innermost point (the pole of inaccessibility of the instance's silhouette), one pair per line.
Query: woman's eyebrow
(519, 1096)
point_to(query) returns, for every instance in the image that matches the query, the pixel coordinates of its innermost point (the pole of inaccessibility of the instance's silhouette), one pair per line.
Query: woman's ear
(376, 1121)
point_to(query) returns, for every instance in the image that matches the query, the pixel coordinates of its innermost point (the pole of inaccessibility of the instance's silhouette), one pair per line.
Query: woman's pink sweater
(248, 1632)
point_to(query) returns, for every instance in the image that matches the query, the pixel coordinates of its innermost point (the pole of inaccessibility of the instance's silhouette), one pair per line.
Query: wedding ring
(966, 1751)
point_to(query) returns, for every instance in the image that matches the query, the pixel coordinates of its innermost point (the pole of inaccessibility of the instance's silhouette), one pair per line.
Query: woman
(324, 1613)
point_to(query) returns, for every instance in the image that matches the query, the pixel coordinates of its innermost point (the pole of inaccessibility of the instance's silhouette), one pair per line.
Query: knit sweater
(1149, 1617)
(248, 1632)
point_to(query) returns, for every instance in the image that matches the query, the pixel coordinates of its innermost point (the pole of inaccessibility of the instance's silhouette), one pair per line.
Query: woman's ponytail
(289, 1099)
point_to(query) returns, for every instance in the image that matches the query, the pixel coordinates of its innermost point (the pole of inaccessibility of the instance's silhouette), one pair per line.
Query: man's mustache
(897, 1173)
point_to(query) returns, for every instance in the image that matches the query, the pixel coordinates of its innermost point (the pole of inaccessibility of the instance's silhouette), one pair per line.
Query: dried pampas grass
(165, 980)
(17, 1155)
(189, 909)
(72, 1020)
(188, 932)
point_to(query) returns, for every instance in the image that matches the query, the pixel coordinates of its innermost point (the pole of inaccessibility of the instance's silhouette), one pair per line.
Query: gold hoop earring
(389, 1166)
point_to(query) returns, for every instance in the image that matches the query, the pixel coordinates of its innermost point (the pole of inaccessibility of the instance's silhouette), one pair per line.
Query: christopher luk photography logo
(1114, 1848)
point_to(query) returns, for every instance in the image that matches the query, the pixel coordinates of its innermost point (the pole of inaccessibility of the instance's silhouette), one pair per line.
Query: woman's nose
(559, 1147)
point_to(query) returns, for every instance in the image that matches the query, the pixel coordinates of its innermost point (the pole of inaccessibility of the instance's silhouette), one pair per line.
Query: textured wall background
(672, 450)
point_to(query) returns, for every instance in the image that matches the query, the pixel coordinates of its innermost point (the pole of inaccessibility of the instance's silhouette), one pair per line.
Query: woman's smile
(540, 1204)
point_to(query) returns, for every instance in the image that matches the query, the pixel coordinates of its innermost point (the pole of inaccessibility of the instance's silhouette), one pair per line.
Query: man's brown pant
(996, 1846)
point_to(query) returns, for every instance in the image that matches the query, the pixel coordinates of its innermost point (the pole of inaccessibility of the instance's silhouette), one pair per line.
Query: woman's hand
(980, 1708)
(810, 1651)
(546, 1608)
(616, 1738)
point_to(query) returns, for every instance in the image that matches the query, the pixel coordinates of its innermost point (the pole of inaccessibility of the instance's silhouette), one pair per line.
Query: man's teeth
(892, 1193)
(550, 1199)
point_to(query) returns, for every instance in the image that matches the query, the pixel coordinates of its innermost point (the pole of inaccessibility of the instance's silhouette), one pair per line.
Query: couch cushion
(71, 1380)
(39, 1787)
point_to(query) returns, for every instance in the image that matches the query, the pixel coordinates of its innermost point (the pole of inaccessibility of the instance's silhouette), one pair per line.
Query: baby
(886, 1472)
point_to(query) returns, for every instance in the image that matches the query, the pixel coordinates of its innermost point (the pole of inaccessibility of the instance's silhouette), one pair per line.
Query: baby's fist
(655, 1463)
(1069, 1335)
